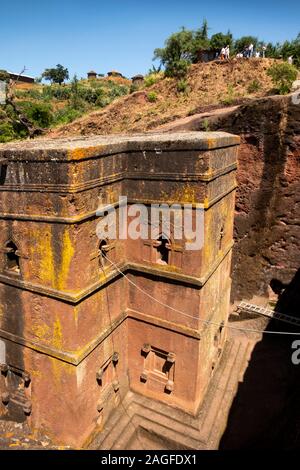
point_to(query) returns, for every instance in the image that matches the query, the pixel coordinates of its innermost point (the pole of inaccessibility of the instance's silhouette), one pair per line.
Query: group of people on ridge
(248, 52)
(225, 53)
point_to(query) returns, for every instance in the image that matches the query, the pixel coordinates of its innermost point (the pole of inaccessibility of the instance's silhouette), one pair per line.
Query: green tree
(244, 41)
(154, 70)
(219, 40)
(202, 33)
(291, 48)
(56, 75)
(273, 50)
(177, 53)
(75, 98)
(200, 41)
(282, 76)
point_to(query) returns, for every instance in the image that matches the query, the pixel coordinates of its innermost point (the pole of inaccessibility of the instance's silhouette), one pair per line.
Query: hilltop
(208, 86)
(52, 105)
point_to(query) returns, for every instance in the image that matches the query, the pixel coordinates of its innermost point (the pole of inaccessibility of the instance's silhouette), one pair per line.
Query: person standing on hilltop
(290, 60)
(223, 52)
(227, 52)
(250, 50)
(264, 51)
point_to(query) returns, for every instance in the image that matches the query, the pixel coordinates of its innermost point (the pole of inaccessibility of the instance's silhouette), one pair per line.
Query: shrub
(192, 111)
(7, 132)
(205, 125)
(152, 96)
(133, 88)
(282, 76)
(229, 99)
(103, 101)
(154, 70)
(38, 113)
(11, 131)
(58, 92)
(89, 95)
(66, 115)
(4, 76)
(149, 80)
(177, 69)
(32, 93)
(254, 86)
(117, 90)
(153, 78)
(182, 86)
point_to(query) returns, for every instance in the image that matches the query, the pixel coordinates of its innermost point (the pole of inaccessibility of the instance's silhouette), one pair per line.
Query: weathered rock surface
(267, 219)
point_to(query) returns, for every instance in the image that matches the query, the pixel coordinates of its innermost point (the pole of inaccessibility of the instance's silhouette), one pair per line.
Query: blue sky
(122, 34)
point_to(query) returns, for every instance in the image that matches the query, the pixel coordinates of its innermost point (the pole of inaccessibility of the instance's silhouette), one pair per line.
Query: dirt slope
(209, 85)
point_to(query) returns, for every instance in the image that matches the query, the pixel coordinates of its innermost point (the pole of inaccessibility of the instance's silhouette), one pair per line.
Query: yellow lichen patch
(211, 143)
(185, 195)
(75, 311)
(67, 255)
(42, 250)
(35, 373)
(189, 195)
(168, 267)
(60, 368)
(206, 203)
(85, 152)
(57, 334)
(43, 243)
(111, 195)
(56, 368)
(41, 331)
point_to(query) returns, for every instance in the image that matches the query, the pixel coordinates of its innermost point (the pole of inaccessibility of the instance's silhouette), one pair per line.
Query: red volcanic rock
(267, 212)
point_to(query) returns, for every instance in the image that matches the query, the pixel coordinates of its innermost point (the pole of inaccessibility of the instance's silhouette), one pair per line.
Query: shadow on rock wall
(265, 413)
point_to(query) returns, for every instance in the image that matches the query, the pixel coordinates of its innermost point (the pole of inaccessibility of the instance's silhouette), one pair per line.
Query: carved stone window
(15, 386)
(107, 380)
(104, 253)
(159, 367)
(12, 258)
(162, 247)
(162, 251)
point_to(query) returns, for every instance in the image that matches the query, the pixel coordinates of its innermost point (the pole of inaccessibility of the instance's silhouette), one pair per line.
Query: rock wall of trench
(267, 218)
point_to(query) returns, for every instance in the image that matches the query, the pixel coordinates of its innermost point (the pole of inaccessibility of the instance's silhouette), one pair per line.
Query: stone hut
(207, 55)
(114, 73)
(138, 80)
(92, 75)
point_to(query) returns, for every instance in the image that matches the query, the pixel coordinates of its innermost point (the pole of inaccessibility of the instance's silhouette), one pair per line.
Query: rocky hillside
(207, 86)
